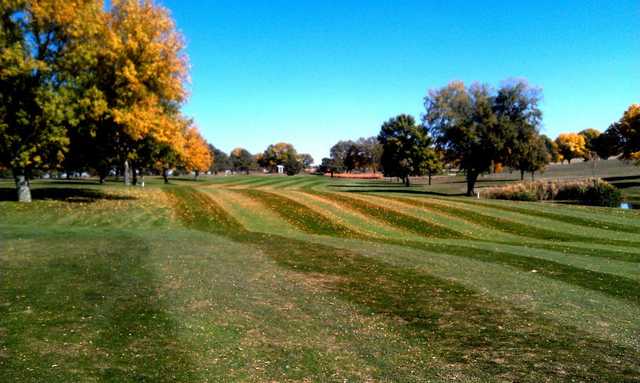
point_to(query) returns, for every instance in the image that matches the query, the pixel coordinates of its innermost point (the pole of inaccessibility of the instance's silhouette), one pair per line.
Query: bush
(591, 191)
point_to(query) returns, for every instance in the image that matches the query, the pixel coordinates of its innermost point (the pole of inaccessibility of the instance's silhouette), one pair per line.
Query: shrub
(588, 191)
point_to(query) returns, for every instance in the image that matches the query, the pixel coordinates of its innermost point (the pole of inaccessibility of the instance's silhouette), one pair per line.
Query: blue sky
(314, 72)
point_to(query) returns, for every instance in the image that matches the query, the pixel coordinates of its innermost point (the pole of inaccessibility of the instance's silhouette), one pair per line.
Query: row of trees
(241, 160)
(479, 129)
(364, 154)
(83, 87)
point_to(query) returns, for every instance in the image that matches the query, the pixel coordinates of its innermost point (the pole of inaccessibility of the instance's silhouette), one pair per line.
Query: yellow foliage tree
(571, 145)
(196, 154)
(140, 74)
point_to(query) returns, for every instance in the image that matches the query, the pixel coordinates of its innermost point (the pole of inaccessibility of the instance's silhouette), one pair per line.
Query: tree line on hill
(480, 129)
(240, 160)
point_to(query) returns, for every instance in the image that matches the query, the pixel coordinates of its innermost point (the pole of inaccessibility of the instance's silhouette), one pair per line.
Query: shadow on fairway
(407, 191)
(63, 194)
(621, 178)
(626, 185)
(99, 313)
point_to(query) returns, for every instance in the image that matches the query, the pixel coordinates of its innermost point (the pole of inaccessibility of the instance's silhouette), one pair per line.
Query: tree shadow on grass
(407, 191)
(621, 178)
(90, 311)
(64, 194)
(626, 185)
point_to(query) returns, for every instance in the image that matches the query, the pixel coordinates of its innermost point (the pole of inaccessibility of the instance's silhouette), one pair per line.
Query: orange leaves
(196, 151)
(571, 145)
(144, 51)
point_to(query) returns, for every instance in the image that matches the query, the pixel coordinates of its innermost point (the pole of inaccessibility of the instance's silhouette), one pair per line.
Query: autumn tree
(36, 100)
(571, 145)
(196, 155)
(284, 154)
(139, 76)
(405, 147)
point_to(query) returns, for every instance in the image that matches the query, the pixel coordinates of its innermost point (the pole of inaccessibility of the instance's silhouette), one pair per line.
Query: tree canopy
(406, 148)
(476, 127)
(571, 145)
(85, 87)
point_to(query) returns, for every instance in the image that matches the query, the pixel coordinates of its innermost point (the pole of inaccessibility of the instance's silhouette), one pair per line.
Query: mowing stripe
(264, 181)
(352, 218)
(614, 285)
(301, 216)
(198, 211)
(294, 182)
(393, 217)
(254, 216)
(497, 223)
(508, 225)
(527, 231)
(564, 218)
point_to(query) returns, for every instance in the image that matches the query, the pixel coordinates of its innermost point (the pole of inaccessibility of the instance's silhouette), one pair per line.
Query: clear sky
(314, 72)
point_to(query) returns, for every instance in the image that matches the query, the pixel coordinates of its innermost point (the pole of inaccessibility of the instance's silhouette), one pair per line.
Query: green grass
(251, 279)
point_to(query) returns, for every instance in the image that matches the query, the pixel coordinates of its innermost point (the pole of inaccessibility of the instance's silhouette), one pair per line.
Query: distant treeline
(480, 129)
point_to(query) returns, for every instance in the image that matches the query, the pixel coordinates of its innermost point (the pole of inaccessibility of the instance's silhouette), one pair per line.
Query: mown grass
(448, 316)
(167, 284)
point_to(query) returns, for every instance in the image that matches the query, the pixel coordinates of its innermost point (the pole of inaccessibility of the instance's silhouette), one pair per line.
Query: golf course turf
(306, 278)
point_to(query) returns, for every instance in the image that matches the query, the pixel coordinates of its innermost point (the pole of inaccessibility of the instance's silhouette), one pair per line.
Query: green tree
(477, 127)
(338, 153)
(242, 160)
(465, 127)
(405, 148)
(628, 129)
(590, 136)
(532, 157)
(432, 162)
(552, 148)
(608, 143)
(328, 165)
(221, 160)
(307, 160)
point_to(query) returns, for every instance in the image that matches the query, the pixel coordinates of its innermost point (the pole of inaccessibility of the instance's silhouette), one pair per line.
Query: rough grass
(171, 283)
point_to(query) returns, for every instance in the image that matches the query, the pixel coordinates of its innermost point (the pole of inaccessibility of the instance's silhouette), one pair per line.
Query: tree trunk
(521, 175)
(102, 175)
(127, 173)
(23, 188)
(429, 178)
(472, 177)
(165, 175)
(134, 174)
(533, 176)
(407, 182)
(197, 173)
